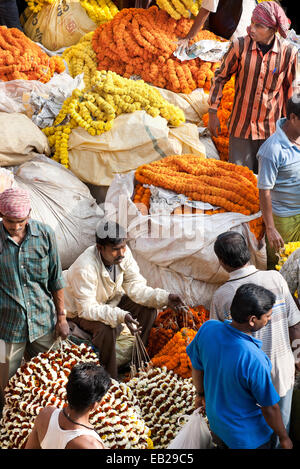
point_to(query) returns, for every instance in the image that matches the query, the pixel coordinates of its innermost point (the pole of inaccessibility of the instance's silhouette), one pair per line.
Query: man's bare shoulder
(85, 442)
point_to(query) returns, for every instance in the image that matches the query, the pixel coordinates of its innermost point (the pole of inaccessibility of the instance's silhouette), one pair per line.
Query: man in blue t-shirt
(232, 375)
(279, 181)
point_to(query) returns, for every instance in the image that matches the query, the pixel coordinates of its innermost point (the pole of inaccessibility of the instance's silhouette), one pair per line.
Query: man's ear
(251, 320)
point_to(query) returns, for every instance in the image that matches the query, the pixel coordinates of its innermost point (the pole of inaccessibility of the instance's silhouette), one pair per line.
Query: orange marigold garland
(224, 111)
(173, 355)
(257, 227)
(142, 41)
(223, 184)
(141, 198)
(168, 323)
(21, 58)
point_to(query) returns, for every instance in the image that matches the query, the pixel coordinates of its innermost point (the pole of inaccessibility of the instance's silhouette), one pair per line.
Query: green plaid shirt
(29, 273)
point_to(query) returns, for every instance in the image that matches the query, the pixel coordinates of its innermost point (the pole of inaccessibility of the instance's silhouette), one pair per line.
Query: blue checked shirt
(29, 273)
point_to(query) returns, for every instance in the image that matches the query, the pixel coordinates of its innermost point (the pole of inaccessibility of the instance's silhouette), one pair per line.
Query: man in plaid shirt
(31, 288)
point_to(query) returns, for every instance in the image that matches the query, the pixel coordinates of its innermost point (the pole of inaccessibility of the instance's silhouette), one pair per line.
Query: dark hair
(231, 248)
(109, 232)
(87, 384)
(293, 106)
(251, 300)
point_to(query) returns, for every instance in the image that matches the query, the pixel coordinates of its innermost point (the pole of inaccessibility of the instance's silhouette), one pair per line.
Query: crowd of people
(244, 358)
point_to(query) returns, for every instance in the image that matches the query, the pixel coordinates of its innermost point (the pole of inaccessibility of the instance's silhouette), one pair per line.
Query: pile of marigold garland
(219, 183)
(141, 42)
(95, 108)
(21, 58)
(99, 11)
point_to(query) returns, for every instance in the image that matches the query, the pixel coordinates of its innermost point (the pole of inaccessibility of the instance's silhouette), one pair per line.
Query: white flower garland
(163, 398)
(41, 382)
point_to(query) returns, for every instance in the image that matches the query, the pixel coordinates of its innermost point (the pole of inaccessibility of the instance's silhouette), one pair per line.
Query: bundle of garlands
(42, 381)
(180, 8)
(95, 108)
(98, 10)
(219, 183)
(168, 323)
(142, 41)
(173, 355)
(81, 58)
(21, 58)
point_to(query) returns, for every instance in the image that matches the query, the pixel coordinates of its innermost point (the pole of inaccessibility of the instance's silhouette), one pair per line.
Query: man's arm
(198, 23)
(273, 418)
(62, 326)
(294, 333)
(198, 378)
(275, 240)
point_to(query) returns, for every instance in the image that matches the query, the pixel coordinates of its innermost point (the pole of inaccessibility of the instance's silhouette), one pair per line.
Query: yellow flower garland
(180, 8)
(81, 58)
(95, 108)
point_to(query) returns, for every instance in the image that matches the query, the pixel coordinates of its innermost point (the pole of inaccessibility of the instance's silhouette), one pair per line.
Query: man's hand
(176, 303)
(275, 240)
(62, 327)
(200, 402)
(286, 443)
(182, 45)
(132, 324)
(214, 125)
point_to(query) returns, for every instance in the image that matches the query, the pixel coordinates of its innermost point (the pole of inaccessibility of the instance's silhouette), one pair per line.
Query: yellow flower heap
(95, 108)
(180, 8)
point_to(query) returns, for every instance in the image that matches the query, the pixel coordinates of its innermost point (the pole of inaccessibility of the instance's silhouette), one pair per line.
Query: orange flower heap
(223, 184)
(142, 41)
(21, 58)
(173, 355)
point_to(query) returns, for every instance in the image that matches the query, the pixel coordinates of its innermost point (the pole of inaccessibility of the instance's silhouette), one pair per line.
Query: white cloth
(275, 335)
(210, 5)
(90, 293)
(56, 438)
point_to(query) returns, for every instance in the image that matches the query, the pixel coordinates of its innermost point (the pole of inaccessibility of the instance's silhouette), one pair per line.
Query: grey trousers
(243, 151)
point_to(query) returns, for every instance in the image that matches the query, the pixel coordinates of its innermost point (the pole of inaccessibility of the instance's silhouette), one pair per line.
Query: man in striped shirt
(265, 67)
(284, 327)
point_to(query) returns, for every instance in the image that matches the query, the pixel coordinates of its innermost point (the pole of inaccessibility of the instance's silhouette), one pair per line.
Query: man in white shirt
(222, 19)
(104, 289)
(284, 327)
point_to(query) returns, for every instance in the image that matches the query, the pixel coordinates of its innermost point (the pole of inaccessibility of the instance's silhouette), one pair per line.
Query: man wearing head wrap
(264, 66)
(31, 287)
(105, 290)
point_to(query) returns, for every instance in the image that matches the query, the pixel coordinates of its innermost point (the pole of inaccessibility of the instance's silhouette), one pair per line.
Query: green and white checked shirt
(29, 273)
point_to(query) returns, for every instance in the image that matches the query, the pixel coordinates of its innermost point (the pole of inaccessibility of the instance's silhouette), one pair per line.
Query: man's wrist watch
(200, 394)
